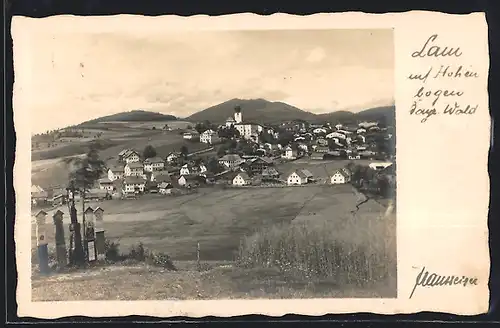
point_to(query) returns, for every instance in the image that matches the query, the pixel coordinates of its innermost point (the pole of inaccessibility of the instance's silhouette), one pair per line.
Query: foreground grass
(215, 281)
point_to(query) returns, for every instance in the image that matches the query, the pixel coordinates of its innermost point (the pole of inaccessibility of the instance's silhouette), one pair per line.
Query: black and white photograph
(212, 164)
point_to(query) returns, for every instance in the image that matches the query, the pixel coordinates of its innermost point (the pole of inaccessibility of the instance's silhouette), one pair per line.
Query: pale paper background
(443, 185)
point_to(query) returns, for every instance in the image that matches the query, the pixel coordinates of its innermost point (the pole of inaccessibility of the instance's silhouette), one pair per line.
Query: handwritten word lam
(436, 50)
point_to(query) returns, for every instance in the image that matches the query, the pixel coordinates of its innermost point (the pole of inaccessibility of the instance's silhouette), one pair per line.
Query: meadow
(219, 219)
(237, 229)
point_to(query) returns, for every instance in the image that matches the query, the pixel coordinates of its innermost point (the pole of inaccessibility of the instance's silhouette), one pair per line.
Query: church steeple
(237, 114)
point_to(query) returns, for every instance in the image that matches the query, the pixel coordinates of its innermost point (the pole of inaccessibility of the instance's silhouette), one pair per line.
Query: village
(242, 154)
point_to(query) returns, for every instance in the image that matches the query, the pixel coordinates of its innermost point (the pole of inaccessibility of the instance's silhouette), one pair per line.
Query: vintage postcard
(245, 164)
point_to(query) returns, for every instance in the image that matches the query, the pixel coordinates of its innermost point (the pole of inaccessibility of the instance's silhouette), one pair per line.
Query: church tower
(237, 114)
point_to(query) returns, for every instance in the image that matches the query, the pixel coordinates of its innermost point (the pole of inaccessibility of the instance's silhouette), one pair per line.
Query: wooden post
(100, 240)
(90, 234)
(41, 237)
(62, 260)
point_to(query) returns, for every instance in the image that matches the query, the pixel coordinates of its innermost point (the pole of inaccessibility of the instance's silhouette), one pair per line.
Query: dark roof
(133, 180)
(135, 165)
(163, 178)
(230, 157)
(154, 160)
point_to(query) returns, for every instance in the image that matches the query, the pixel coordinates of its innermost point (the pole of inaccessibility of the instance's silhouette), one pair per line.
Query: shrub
(353, 252)
(112, 251)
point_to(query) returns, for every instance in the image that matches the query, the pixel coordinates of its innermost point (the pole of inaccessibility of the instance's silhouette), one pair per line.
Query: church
(247, 130)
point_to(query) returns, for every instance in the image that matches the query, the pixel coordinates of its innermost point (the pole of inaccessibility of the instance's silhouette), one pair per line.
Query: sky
(73, 77)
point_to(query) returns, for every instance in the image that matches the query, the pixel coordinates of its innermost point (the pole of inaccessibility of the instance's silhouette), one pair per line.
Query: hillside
(257, 110)
(386, 113)
(132, 116)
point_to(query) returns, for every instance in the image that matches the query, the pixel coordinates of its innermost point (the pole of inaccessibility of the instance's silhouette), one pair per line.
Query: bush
(113, 251)
(348, 255)
(138, 253)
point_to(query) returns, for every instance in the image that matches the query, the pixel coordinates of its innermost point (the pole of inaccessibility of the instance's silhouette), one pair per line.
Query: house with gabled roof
(188, 181)
(129, 156)
(154, 164)
(290, 153)
(134, 169)
(133, 184)
(116, 172)
(241, 179)
(231, 160)
(106, 184)
(340, 176)
(270, 173)
(297, 177)
(172, 157)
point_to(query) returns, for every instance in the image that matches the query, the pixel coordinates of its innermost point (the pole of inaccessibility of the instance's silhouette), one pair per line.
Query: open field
(218, 219)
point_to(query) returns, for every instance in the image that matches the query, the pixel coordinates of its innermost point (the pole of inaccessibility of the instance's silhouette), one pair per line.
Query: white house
(209, 137)
(242, 179)
(106, 184)
(130, 156)
(231, 160)
(360, 130)
(133, 184)
(172, 157)
(203, 168)
(116, 173)
(230, 121)
(340, 176)
(165, 188)
(185, 170)
(339, 126)
(297, 177)
(134, 169)
(154, 164)
(249, 131)
(290, 153)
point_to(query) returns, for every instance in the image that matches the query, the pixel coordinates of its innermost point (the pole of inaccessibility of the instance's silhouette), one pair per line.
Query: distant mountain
(387, 113)
(255, 110)
(133, 116)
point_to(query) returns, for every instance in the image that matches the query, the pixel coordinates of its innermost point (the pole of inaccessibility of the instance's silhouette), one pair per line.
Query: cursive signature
(426, 279)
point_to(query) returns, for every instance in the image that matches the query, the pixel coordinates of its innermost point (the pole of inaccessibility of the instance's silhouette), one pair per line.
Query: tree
(221, 151)
(265, 137)
(149, 152)
(214, 166)
(184, 151)
(88, 170)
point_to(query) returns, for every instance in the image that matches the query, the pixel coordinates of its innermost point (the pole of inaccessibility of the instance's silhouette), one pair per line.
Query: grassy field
(218, 219)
